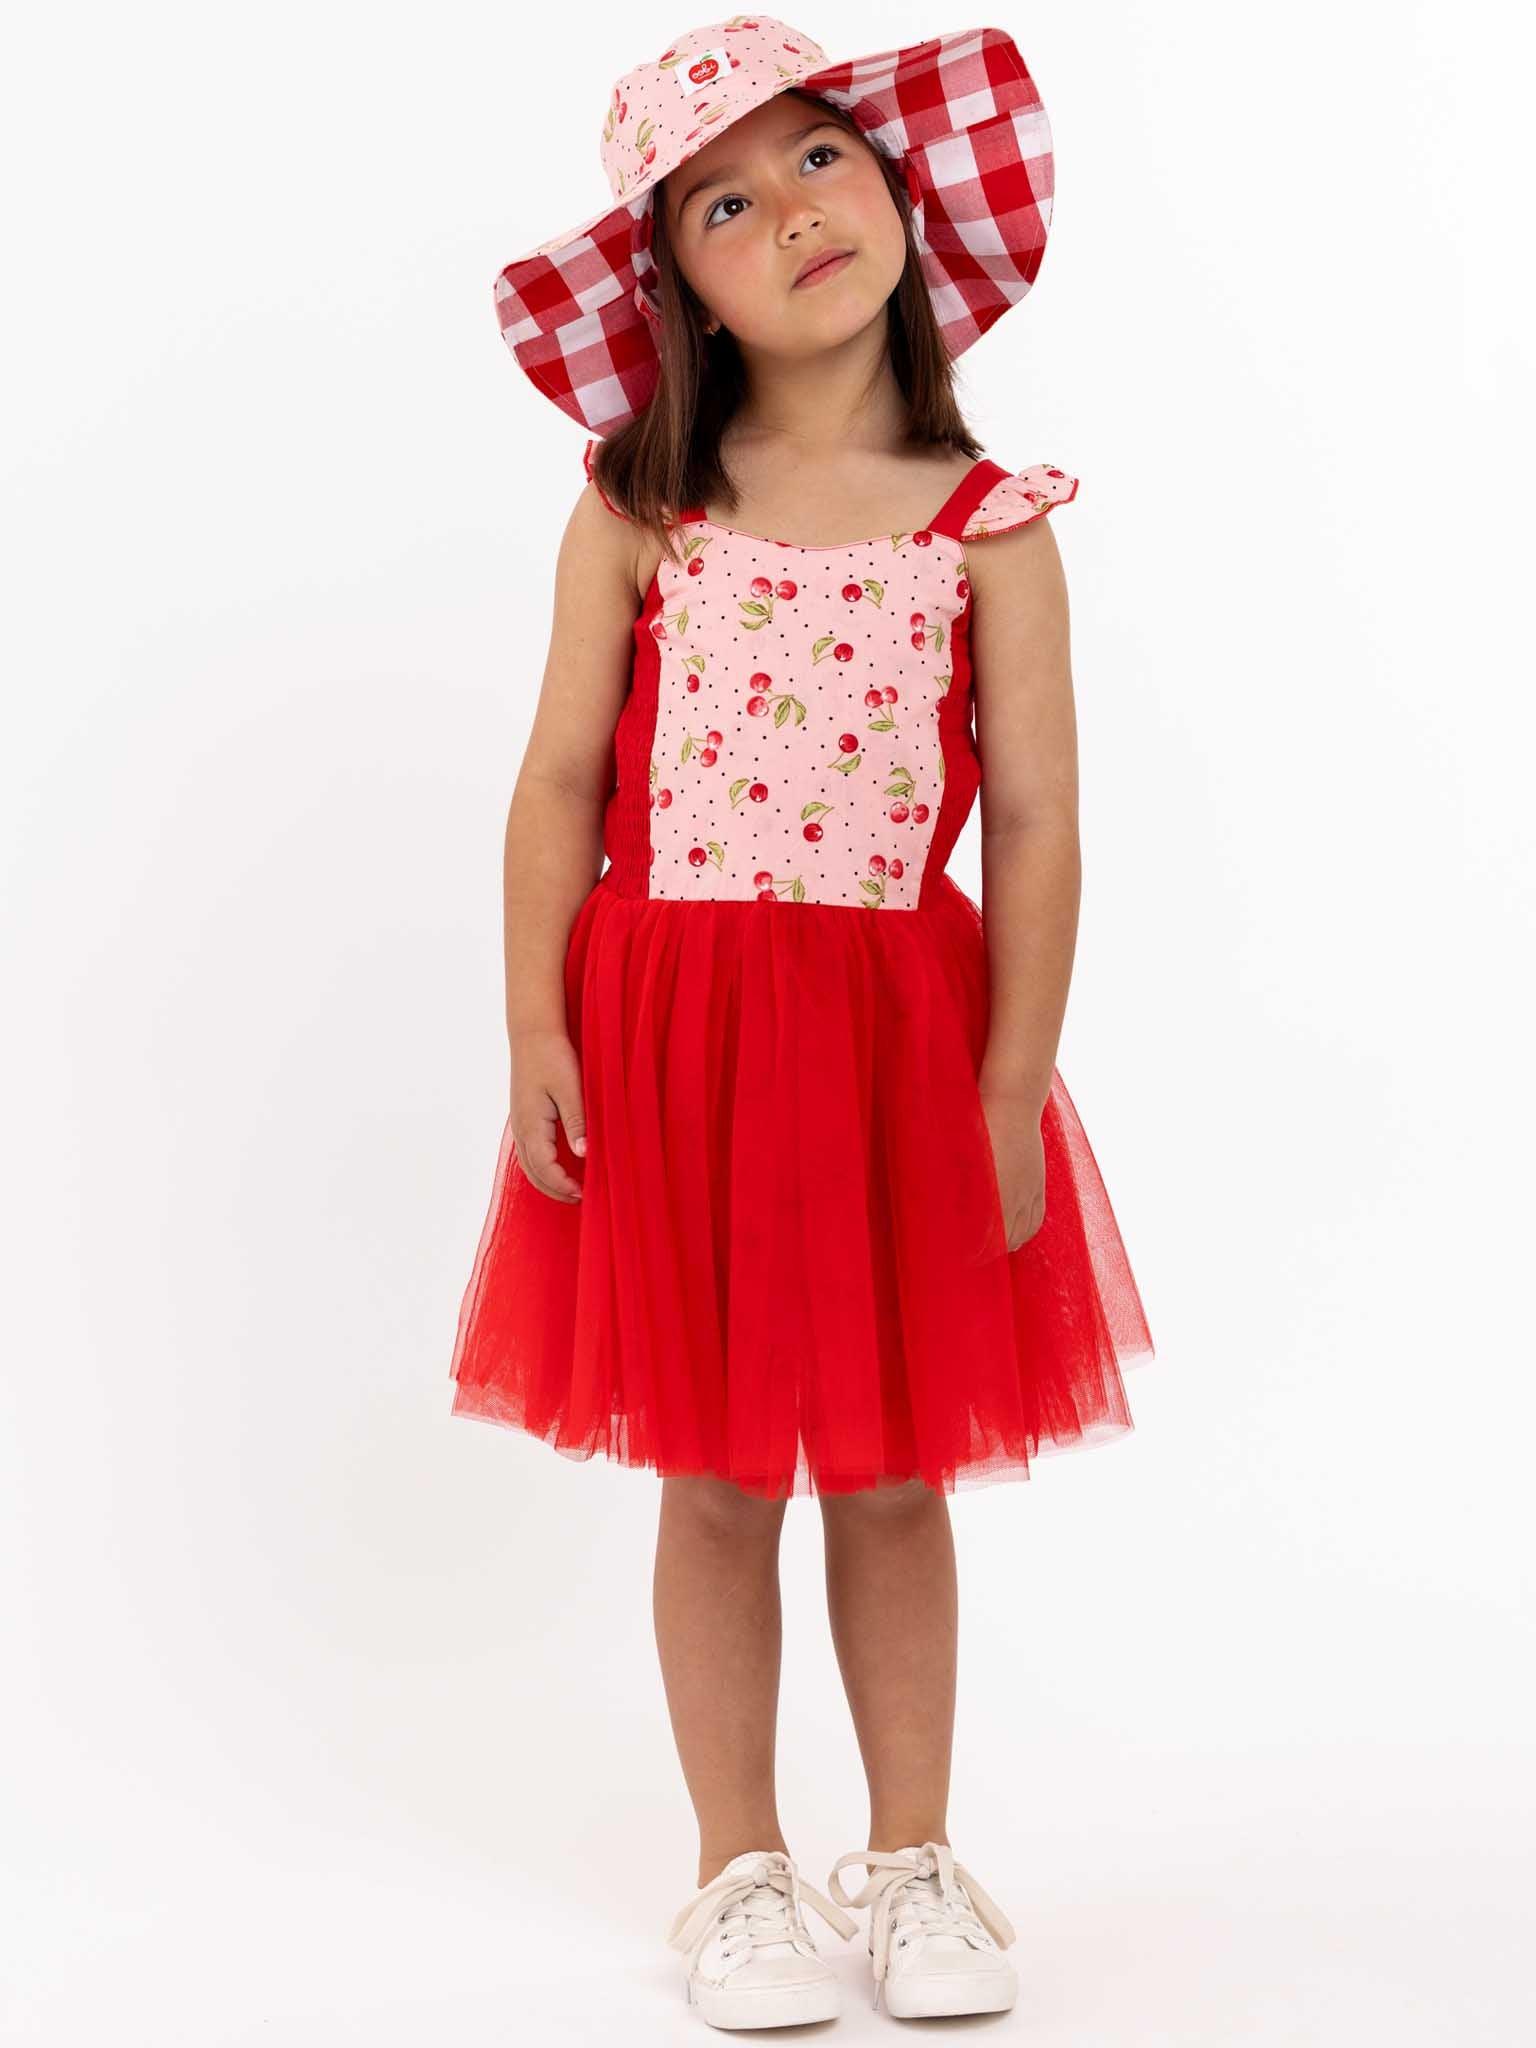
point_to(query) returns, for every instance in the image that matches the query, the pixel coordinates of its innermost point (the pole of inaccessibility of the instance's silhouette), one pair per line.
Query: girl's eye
(817, 149)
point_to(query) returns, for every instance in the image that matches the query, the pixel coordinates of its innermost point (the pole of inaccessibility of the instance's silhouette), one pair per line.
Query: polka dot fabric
(801, 729)
(797, 754)
(1016, 500)
(788, 1266)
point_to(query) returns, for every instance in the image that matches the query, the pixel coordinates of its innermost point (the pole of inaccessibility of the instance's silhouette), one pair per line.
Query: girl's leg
(719, 1629)
(893, 1604)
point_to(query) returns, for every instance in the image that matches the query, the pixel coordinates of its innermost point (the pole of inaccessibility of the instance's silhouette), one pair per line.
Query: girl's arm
(1026, 730)
(554, 837)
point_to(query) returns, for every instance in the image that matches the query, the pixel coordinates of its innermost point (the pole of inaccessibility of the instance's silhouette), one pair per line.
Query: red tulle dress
(788, 1267)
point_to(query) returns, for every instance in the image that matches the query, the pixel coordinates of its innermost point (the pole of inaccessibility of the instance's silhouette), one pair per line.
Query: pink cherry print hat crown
(960, 114)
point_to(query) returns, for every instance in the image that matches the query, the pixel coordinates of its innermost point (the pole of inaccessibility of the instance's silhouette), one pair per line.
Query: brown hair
(667, 458)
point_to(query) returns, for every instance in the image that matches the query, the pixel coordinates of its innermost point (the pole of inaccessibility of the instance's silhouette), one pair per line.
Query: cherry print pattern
(639, 148)
(884, 1331)
(758, 608)
(766, 701)
(810, 753)
(769, 886)
(881, 870)
(823, 734)
(1016, 500)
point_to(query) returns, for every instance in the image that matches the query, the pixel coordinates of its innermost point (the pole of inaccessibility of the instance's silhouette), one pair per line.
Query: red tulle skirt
(788, 1266)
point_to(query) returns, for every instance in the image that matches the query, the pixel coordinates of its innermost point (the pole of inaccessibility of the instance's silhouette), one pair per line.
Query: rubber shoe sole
(790, 2005)
(942, 1998)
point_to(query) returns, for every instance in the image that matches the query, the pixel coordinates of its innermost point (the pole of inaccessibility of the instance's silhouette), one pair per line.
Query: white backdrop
(330, 1718)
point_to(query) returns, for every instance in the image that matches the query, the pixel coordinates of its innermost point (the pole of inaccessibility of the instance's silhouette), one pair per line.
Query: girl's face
(779, 186)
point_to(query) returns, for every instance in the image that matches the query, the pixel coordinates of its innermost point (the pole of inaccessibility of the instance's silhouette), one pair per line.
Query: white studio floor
(1303, 1916)
(307, 1751)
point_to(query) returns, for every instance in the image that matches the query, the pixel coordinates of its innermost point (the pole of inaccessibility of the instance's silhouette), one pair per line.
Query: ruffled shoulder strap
(1014, 499)
(586, 458)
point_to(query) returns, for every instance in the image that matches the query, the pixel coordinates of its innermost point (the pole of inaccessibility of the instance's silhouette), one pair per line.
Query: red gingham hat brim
(959, 112)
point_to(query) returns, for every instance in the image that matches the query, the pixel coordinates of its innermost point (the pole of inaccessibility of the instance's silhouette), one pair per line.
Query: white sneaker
(751, 1961)
(935, 1936)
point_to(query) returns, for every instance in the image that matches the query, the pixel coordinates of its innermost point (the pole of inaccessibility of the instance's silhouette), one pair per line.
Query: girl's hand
(1018, 1152)
(546, 1093)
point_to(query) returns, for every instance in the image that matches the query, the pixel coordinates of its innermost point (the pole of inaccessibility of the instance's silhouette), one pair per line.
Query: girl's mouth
(830, 268)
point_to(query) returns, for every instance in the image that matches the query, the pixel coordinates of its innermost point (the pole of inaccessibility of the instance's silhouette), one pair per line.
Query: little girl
(791, 1197)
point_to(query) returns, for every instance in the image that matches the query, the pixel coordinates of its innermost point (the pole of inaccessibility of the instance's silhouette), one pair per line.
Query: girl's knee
(708, 1503)
(879, 1503)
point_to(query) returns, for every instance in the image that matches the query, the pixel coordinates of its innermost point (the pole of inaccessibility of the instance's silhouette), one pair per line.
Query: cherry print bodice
(799, 724)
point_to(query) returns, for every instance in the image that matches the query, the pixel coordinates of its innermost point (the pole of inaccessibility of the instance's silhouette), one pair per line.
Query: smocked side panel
(626, 820)
(962, 767)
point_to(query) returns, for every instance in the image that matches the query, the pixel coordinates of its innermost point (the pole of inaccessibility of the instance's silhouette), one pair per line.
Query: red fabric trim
(966, 496)
(627, 818)
(962, 765)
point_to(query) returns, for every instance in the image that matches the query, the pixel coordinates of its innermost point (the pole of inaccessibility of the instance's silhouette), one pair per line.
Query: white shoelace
(759, 1904)
(935, 1896)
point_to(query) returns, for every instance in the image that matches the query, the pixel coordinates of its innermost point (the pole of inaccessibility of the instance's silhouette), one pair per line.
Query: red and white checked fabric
(959, 112)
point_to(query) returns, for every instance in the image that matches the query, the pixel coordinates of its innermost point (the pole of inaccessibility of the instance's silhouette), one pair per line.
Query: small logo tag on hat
(703, 68)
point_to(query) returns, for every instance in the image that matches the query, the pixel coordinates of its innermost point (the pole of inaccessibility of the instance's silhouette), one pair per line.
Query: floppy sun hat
(959, 113)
